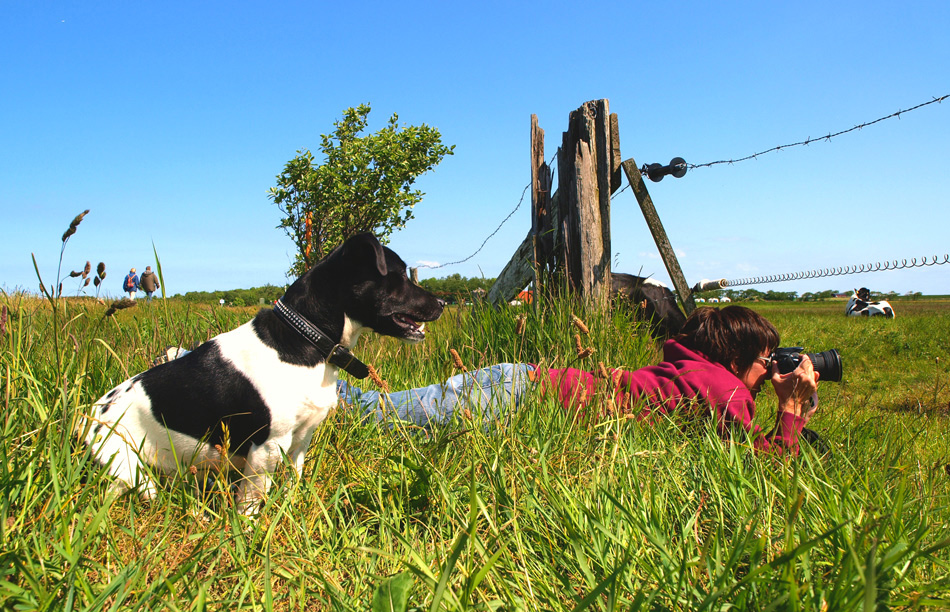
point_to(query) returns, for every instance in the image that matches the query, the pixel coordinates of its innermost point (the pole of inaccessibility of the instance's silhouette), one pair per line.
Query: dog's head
(371, 286)
(382, 297)
(863, 294)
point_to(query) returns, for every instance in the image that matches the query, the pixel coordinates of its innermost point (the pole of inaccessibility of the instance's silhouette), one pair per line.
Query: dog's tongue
(411, 322)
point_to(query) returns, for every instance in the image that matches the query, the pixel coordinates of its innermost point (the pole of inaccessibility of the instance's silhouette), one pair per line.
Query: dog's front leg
(258, 469)
(298, 451)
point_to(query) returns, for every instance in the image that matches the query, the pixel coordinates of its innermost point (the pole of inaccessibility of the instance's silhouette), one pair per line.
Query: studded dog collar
(332, 351)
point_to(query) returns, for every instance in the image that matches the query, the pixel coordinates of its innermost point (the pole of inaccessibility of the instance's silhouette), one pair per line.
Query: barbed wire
(881, 266)
(644, 171)
(490, 236)
(484, 242)
(810, 140)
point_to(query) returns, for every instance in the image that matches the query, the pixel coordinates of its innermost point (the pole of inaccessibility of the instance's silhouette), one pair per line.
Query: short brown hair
(734, 335)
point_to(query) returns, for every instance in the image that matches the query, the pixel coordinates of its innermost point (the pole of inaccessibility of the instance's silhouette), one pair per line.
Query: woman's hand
(795, 389)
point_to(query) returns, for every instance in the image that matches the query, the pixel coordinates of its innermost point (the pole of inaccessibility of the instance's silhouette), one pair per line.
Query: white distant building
(713, 300)
(725, 299)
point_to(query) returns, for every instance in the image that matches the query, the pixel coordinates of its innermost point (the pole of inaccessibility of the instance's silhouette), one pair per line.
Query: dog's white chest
(297, 396)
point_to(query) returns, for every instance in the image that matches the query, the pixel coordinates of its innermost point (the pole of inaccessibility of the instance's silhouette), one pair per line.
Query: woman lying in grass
(718, 362)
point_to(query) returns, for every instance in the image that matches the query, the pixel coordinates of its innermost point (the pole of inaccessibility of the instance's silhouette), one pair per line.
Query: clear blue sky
(170, 120)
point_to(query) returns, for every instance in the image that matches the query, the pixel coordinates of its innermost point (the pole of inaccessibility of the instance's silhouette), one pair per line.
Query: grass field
(549, 510)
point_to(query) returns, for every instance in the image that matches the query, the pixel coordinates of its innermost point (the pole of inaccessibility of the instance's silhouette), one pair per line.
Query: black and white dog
(860, 305)
(249, 397)
(656, 304)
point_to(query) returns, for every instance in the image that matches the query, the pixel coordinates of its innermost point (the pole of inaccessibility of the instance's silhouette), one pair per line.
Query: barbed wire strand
(643, 171)
(490, 236)
(484, 242)
(809, 140)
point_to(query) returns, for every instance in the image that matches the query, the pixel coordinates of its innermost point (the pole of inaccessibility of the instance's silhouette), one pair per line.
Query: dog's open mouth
(412, 330)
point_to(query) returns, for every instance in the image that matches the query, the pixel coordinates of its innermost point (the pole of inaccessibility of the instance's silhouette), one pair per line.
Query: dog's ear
(365, 246)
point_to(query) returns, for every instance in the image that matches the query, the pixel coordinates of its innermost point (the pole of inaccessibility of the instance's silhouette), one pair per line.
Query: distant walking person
(149, 282)
(131, 284)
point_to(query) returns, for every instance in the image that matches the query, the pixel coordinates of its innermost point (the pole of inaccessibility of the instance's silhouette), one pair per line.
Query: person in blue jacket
(131, 284)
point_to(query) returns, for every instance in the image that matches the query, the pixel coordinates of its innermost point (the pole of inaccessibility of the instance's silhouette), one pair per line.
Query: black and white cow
(860, 305)
(655, 303)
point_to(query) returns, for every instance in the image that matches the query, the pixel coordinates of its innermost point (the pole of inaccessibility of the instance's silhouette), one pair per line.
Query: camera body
(827, 363)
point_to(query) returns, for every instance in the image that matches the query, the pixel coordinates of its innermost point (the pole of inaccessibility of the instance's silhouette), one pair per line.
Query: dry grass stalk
(3, 321)
(580, 325)
(119, 305)
(378, 380)
(74, 224)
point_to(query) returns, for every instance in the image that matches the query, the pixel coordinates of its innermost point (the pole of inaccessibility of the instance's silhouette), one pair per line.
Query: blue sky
(170, 121)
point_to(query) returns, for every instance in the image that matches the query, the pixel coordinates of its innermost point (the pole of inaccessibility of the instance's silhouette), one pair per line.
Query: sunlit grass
(544, 510)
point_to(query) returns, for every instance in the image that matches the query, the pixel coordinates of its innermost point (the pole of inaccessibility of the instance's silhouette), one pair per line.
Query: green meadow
(543, 510)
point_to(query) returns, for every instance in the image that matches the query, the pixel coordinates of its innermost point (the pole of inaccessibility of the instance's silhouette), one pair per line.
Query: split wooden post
(584, 172)
(520, 269)
(659, 234)
(542, 229)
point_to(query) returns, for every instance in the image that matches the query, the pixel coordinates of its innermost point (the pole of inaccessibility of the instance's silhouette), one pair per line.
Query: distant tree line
(235, 297)
(453, 289)
(456, 288)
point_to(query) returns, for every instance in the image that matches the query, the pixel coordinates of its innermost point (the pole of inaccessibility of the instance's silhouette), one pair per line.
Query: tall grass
(543, 510)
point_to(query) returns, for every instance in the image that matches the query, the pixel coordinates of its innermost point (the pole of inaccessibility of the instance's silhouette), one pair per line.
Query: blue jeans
(488, 392)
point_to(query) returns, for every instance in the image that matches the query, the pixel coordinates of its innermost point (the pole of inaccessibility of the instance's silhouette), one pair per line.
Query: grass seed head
(3, 321)
(86, 270)
(520, 324)
(577, 343)
(580, 325)
(119, 305)
(101, 270)
(456, 359)
(378, 380)
(74, 224)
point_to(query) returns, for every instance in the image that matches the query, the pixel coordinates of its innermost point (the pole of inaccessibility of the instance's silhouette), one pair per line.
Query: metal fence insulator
(677, 167)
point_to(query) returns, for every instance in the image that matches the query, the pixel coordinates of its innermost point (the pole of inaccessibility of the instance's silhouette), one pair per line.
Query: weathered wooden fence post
(659, 234)
(543, 229)
(585, 169)
(594, 140)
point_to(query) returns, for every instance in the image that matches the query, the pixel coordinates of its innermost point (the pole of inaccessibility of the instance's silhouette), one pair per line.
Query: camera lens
(827, 364)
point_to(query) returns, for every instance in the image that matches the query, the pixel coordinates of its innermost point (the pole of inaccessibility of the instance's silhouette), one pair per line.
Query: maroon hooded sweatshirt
(684, 376)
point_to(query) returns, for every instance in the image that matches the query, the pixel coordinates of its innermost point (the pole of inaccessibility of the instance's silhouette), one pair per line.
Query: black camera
(827, 363)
